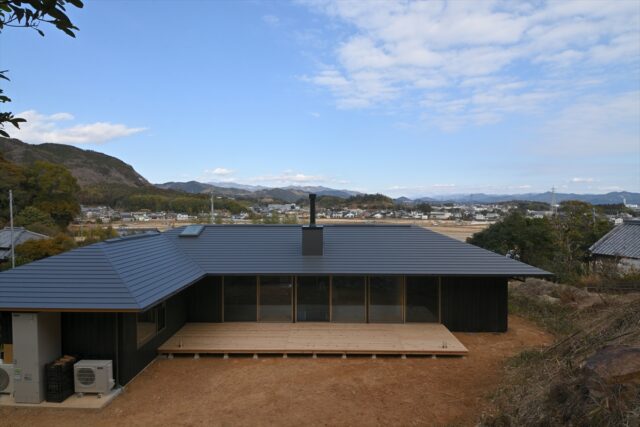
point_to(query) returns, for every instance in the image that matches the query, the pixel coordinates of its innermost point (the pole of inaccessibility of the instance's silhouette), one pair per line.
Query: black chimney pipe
(312, 234)
(312, 210)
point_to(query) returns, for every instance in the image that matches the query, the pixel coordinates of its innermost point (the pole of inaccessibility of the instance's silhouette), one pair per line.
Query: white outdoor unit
(6, 378)
(93, 376)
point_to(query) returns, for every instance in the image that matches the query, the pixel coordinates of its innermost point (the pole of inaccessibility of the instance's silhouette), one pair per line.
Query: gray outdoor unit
(36, 342)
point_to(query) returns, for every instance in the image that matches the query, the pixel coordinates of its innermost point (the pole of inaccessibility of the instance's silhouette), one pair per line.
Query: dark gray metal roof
(129, 273)
(135, 272)
(623, 241)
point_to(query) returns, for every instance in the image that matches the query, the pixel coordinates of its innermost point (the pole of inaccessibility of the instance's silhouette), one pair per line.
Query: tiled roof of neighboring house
(133, 273)
(20, 235)
(623, 241)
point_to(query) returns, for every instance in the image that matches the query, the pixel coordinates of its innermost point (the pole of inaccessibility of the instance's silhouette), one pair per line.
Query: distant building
(621, 245)
(283, 208)
(20, 235)
(440, 215)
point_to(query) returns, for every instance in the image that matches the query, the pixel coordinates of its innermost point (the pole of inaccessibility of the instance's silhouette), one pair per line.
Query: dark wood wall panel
(475, 304)
(90, 336)
(204, 300)
(134, 359)
(6, 329)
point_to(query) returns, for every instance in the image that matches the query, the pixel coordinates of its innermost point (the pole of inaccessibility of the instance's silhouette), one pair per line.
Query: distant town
(447, 214)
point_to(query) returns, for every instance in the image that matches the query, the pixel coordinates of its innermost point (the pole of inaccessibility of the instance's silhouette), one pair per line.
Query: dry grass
(548, 387)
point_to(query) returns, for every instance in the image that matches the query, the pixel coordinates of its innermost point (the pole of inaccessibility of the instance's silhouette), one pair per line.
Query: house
(20, 236)
(282, 208)
(439, 215)
(621, 245)
(125, 298)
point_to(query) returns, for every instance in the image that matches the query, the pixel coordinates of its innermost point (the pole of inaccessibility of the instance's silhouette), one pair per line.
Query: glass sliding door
(385, 299)
(423, 299)
(313, 299)
(348, 299)
(240, 298)
(276, 295)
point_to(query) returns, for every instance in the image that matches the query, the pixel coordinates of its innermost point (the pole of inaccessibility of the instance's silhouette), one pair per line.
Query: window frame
(155, 310)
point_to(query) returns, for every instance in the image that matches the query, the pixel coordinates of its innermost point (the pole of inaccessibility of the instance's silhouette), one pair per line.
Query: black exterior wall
(204, 300)
(474, 304)
(112, 336)
(134, 359)
(468, 304)
(6, 329)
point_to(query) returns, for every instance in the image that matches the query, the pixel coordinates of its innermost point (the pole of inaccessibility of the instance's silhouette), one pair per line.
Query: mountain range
(288, 194)
(92, 168)
(294, 193)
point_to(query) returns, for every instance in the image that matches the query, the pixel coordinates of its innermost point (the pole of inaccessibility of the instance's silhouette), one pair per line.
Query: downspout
(118, 372)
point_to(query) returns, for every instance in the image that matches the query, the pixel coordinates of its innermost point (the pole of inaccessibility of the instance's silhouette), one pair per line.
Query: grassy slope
(548, 387)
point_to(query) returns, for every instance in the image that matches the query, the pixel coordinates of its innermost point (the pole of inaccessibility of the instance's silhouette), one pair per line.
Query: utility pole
(211, 220)
(553, 200)
(13, 251)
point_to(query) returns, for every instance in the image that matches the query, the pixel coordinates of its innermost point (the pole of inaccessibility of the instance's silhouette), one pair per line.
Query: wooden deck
(314, 338)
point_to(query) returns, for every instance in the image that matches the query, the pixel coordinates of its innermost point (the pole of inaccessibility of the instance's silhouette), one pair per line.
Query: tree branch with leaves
(31, 14)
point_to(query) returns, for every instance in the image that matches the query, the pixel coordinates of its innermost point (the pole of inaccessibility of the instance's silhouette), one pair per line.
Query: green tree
(32, 215)
(532, 238)
(578, 225)
(37, 221)
(559, 245)
(12, 177)
(423, 207)
(54, 191)
(34, 250)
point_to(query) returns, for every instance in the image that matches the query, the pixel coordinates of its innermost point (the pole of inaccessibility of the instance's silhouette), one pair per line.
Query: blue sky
(410, 98)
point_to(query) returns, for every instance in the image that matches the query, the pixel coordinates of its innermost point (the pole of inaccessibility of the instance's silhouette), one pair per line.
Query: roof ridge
(149, 235)
(117, 272)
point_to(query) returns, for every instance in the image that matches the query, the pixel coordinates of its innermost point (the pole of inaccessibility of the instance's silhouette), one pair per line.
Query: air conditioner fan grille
(86, 376)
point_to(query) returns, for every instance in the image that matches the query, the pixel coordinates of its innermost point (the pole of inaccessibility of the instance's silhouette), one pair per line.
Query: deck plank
(291, 338)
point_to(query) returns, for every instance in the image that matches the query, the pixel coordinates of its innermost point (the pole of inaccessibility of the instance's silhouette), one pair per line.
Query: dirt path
(304, 391)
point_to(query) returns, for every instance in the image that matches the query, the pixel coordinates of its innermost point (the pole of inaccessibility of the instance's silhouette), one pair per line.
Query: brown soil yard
(305, 391)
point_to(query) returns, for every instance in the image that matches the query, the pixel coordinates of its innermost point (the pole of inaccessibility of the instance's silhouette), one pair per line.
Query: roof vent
(192, 231)
(312, 234)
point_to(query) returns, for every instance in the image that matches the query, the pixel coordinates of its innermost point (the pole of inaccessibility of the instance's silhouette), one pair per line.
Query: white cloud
(578, 180)
(222, 171)
(594, 125)
(473, 52)
(41, 128)
(282, 179)
(218, 174)
(288, 178)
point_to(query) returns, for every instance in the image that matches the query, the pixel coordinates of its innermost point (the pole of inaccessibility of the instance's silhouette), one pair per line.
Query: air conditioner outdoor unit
(6, 378)
(93, 376)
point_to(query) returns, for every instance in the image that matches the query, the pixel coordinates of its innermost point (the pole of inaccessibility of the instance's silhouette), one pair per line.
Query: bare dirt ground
(305, 391)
